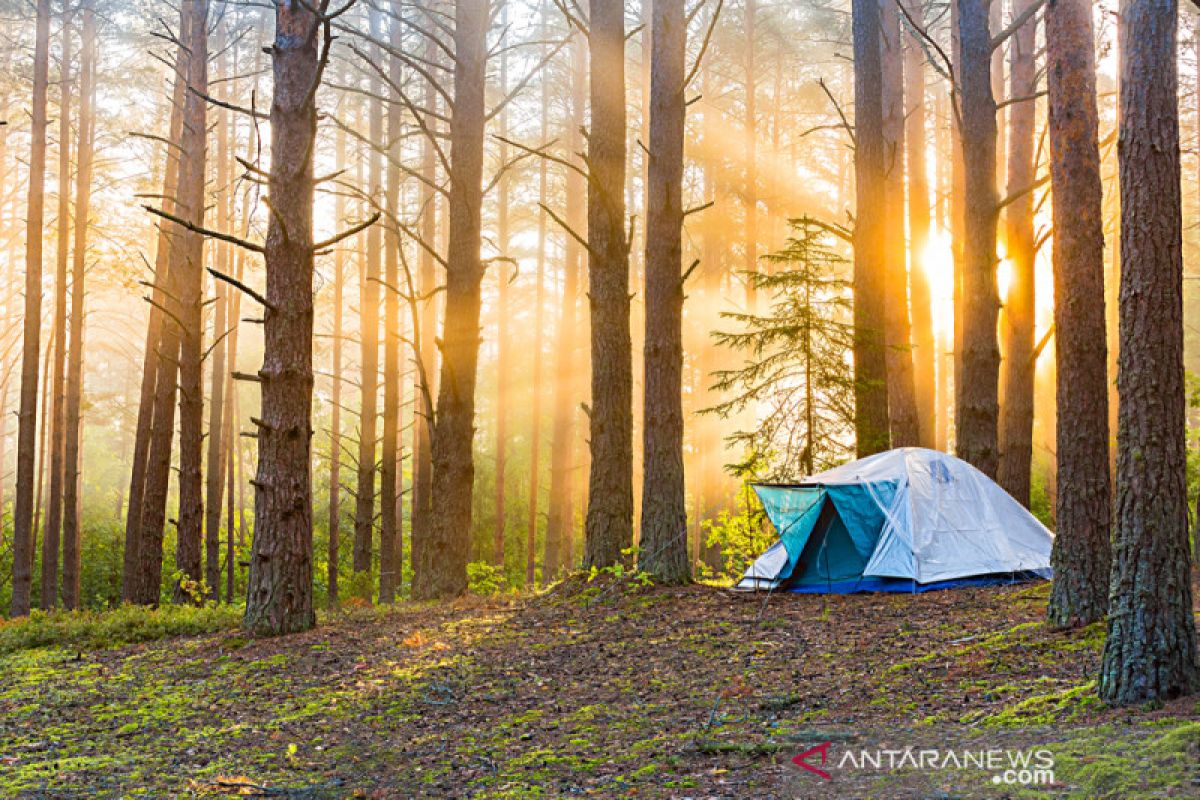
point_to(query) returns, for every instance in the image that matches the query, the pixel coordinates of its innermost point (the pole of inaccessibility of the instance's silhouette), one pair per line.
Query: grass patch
(91, 630)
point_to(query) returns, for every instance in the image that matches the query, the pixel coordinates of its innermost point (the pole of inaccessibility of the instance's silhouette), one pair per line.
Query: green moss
(1042, 709)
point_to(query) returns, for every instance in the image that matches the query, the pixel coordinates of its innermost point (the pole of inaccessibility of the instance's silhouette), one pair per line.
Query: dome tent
(905, 520)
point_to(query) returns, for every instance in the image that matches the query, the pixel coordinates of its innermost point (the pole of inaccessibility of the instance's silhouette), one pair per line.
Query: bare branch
(224, 237)
(234, 282)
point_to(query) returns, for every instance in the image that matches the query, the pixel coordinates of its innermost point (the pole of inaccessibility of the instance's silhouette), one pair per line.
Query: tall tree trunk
(168, 350)
(364, 514)
(610, 485)
(422, 481)
(73, 429)
(560, 520)
(214, 478)
(977, 425)
(131, 576)
(23, 507)
(1082, 553)
(391, 547)
(1016, 387)
(958, 194)
(539, 302)
(924, 355)
(1150, 652)
(870, 284)
(444, 561)
(503, 369)
(279, 592)
(190, 308)
(904, 424)
(750, 132)
(664, 545)
(335, 395)
(52, 532)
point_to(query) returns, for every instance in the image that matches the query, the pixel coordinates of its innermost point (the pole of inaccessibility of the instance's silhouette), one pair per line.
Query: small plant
(485, 579)
(619, 571)
(740, 536)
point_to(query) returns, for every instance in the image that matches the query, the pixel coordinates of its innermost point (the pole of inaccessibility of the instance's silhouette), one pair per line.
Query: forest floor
(605, 690)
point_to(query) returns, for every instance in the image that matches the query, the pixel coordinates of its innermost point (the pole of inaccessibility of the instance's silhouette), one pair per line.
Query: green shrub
(90, 630)
(740, 536)
(485, 579)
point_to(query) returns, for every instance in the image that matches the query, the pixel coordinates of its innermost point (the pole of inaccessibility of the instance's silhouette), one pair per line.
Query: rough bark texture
(444, 561)
(561, 512)
(73, 430)
(663, 550)
(978, 387)
(924, 347)
(27, 438)
(870, 364)
(902, 406)
(335, 398)
(279, 591)
(215, 461)
(167, 353)
(52, 532)
(1082, 553)
(190, 309)
(610, 484)
(1150, 652)
(139, 471)
(391, 548)
(1016, 380)
(422, 477)
(503, 343)
(364, 508)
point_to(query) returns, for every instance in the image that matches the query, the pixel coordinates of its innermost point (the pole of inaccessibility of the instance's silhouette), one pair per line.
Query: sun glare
(937, 260)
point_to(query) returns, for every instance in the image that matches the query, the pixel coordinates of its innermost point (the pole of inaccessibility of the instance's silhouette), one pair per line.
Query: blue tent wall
(829, 532)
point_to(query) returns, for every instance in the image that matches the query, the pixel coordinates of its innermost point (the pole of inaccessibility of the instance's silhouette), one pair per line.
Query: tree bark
(131, 591)
(536, 390)
(426, 389)
(335, 396)
(52, 532)
(610, 485)
(1082, 553)
(214, 477)
(924, 347)
(190, 308)
(1150, 652)
(391, 547)
(364, 509)
(663, 549)
(560, 520)
(1016, 388)
(73, 430)
(444, 561)
(904, 423)
(869, 282)
(279, 591)
(503, 344)
(977, 425)
(27, 438)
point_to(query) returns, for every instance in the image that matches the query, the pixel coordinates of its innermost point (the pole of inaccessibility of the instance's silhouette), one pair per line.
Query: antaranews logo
(1006, 766)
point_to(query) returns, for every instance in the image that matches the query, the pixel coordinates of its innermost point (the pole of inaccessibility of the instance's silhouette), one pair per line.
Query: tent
(905, 520)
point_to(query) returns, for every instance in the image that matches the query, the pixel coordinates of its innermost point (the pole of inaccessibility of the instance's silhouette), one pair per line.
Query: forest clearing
(600, 689)
(554, 398)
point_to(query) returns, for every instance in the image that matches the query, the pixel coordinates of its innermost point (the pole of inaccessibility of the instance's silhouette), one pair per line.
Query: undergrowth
(90, 630)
